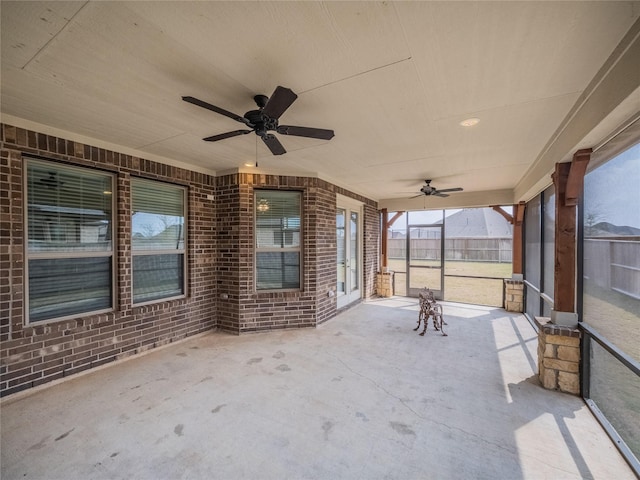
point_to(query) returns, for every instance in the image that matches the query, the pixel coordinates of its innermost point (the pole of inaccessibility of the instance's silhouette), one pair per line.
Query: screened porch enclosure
(462, 255)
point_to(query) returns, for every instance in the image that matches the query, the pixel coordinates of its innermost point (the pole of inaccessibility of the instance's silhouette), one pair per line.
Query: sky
(612, 191)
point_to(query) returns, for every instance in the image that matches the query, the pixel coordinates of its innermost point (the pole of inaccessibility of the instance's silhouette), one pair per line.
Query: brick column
(558, 357)
(384, 284)
(513, 296)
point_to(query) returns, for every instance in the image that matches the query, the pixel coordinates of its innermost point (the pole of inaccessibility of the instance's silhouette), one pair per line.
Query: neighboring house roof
(477, 222)
(469, 222)
(606, 229)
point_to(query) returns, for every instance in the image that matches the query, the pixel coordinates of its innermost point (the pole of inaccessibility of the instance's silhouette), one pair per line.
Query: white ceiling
(393, 79)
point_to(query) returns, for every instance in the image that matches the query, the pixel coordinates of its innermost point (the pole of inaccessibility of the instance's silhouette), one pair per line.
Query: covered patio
(360, 396)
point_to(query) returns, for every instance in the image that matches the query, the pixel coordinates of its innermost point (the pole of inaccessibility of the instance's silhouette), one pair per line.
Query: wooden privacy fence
(467, 249)
(613, 264)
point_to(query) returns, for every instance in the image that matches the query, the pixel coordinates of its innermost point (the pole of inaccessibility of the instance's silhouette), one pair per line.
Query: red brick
(219, 255)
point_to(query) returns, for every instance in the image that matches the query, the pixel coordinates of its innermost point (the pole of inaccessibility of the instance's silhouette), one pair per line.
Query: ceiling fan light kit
(264, 120)
(470, 122)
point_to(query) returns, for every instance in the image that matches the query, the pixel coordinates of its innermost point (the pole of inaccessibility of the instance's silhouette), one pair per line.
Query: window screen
(532, 252)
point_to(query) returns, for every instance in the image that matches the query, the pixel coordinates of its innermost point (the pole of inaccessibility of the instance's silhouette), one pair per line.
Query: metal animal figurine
(430, 308)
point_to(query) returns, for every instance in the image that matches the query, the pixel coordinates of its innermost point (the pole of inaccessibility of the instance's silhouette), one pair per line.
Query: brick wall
(514, 296)
(325, 245)
(220, 254)
(246, 310)
(371, 248)
(31, 355)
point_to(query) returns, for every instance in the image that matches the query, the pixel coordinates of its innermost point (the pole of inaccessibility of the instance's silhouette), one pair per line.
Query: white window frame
(178, 251)
(53, 255)
(291, 249)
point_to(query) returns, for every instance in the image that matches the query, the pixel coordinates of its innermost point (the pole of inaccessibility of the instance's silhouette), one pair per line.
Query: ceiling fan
(265, 119)
(428, 190)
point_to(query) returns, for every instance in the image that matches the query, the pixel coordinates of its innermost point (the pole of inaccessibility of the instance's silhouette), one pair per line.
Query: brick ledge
(548, 328)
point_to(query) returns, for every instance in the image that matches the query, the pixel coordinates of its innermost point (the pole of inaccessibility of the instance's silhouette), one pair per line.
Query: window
(70, 241)
(610, 233)
(278, 232)
(157, 240)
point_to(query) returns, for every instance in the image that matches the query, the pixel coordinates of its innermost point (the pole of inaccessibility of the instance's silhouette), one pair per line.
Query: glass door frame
(350, 295)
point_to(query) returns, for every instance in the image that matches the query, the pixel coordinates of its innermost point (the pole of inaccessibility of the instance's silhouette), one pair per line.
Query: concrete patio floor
(360, 397)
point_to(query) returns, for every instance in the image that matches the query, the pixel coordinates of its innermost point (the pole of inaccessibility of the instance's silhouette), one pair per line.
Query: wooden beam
(395, 217)
(520, 213)
(507, 216)
(576, 176)
(386, 225)
(383, 240)
(518, 222)
(564, 278)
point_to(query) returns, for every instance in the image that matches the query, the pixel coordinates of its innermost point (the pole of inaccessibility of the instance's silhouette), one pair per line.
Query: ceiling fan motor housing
(261, 100)
(260, 122)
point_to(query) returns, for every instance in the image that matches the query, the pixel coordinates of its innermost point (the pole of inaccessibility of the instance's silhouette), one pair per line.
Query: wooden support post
(568, 180)
(565, 244)
(383, 240)
(516, 220)
(386, 225)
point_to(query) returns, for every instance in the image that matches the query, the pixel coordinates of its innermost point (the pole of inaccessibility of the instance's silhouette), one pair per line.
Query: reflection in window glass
(611, 251)
(157, 237)
(158, 216)
(69, 209)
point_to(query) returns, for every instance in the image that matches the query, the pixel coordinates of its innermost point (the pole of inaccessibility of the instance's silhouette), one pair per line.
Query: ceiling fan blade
(306, 132)
(222, 136)
(416, 196)
(274, 144)
(438, 194)
(457, 189)
(280, 100)
(219, 110)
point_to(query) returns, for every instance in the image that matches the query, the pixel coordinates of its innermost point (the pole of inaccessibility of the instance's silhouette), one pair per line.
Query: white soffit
(393, 79)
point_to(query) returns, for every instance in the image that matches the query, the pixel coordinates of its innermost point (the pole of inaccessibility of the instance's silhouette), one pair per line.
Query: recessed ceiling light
(249, 164)
(470, 122)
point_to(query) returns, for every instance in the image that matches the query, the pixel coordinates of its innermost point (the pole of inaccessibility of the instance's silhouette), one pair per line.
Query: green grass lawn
(614, 315)
(456, 289)
(614, 387)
